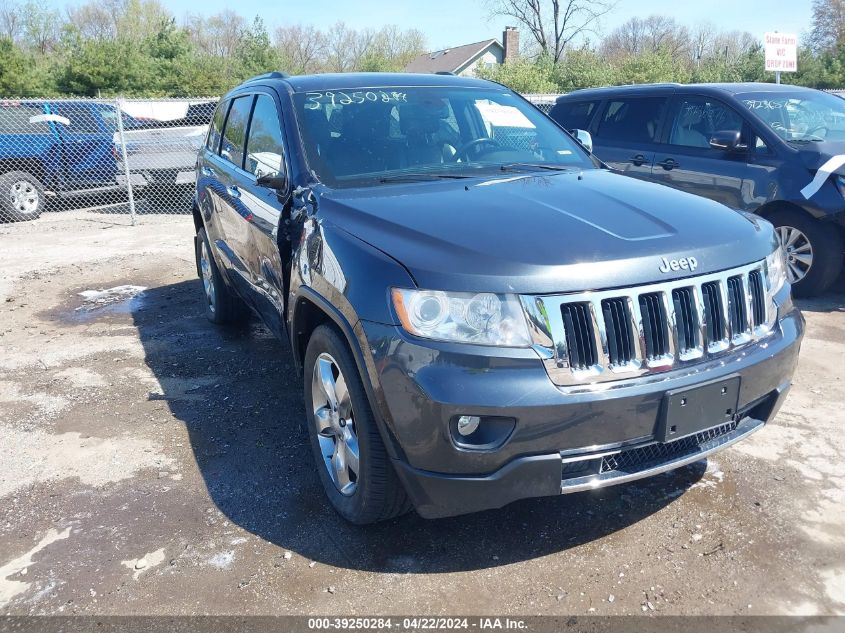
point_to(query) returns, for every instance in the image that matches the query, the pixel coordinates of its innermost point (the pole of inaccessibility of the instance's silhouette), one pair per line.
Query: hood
(563, 232)
(814, 155)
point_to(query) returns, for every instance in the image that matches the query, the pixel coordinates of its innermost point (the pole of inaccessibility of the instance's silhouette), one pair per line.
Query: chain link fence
(119, 157)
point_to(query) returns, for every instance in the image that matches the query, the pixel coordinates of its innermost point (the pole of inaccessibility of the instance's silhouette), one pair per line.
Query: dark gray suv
(480, 312)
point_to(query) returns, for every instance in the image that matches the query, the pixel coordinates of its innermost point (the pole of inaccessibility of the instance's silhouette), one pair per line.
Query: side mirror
(727, 141)
(583, 137)
(279, 182)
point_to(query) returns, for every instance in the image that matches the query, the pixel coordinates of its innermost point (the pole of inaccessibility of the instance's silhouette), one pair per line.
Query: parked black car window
(698, 118)
(264, 147)
(234, 134)
(574, 115)
(633, 120)
(216, 129)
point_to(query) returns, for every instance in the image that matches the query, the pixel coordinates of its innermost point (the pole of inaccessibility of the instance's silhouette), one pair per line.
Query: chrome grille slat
(593, 337)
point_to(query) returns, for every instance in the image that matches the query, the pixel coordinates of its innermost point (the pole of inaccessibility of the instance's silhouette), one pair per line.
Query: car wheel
(813, 252)
(222, 305)
(22, 197)
(352, 462)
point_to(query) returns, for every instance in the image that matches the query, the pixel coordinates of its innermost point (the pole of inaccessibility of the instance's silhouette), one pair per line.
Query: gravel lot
(151, 463)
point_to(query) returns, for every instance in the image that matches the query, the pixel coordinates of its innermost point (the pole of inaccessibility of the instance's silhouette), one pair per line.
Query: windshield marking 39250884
(373, 136)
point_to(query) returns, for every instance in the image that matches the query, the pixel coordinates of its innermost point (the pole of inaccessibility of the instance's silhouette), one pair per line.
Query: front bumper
(562, 440)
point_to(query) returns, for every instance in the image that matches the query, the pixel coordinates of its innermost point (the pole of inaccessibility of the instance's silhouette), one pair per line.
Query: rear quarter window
(632, 120)
(574, 114)
(216, 128)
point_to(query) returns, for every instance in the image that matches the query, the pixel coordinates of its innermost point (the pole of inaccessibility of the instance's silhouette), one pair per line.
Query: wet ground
(152, 463)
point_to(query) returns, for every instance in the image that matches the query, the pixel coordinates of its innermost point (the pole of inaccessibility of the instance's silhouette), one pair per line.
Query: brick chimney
(510, 41)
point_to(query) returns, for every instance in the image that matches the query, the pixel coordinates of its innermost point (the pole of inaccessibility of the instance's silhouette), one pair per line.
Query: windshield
(377, 135)
(800, 117)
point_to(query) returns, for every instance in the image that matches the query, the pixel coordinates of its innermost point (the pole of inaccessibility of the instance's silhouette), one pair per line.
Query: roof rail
(445, 72)
(271, 75)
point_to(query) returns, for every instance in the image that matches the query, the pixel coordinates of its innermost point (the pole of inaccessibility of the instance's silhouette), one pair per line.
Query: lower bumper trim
(612, 477)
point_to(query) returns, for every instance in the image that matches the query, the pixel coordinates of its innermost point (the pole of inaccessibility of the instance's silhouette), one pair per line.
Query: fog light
(467, 424)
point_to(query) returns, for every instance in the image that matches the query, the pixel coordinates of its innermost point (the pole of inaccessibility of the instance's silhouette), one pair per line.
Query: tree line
(137, 48)
(564, 52)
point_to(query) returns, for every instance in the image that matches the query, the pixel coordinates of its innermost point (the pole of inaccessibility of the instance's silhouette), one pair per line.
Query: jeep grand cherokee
(481, 312)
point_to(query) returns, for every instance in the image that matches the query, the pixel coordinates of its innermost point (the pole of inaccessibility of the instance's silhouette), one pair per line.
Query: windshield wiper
(414, 177)
(524, 166)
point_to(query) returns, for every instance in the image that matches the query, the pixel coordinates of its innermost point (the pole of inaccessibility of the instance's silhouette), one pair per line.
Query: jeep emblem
(684, 263)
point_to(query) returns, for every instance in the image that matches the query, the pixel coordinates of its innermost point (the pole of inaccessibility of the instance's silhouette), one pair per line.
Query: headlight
(462, 317)
(776, 270)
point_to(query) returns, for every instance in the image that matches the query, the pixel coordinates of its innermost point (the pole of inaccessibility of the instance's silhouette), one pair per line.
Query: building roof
(450, 60)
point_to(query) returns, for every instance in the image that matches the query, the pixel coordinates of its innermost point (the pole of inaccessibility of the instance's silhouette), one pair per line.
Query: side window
(698, 118)
(82, 118)
(760, 147)
(633, 120)
(234, 133)
(264, 147)
(216, 128)
(574, 114)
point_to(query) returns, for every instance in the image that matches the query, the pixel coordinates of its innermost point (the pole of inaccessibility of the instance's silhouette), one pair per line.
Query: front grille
(686, 319)
(580, 342)
(758, 297)
(713, 312)
(635, 459)
(736, 306)
(655, 325)
(620, 339)
(609, 335)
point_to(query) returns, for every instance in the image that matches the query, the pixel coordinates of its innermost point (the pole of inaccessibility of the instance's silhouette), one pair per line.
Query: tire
(222, 305)
(375, 493)
(21, 197)
(810, 237)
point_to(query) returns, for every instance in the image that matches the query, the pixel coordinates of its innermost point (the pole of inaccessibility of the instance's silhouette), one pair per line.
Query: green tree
(523, 75)
(12, 69)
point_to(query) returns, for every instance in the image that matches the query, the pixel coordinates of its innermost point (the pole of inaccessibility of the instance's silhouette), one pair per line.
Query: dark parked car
(55, 148)
(754, 147)
(481, 313)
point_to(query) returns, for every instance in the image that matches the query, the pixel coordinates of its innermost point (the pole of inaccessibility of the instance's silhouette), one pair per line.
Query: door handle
(668, 164)
(638, 160)
(233, 191)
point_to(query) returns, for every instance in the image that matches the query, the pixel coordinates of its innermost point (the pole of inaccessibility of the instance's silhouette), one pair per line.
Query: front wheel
(813, 252)
(22, 197)
(352, 462)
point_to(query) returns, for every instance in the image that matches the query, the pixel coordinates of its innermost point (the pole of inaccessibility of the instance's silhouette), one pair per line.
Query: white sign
(781, 52)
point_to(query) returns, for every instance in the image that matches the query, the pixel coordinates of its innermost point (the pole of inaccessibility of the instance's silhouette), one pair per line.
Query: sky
(448, 23)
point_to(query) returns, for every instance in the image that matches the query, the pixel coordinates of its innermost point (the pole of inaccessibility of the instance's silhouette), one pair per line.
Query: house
(463, 60)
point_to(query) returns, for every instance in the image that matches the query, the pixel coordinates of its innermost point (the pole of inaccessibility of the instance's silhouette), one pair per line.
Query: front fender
(350, 274)
(348, 281)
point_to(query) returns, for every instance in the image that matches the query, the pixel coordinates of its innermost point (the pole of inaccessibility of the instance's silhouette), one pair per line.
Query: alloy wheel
(24, 197)
(207, 275)
(335, 421)
(799, 252)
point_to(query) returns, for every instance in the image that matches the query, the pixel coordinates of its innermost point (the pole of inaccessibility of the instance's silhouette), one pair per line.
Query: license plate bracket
(689, 411)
